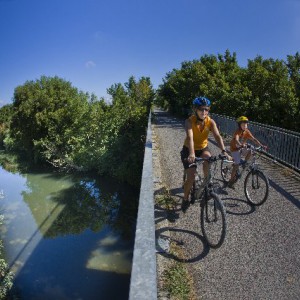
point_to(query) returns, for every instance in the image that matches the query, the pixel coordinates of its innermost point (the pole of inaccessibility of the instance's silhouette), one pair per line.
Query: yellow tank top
(200, 133)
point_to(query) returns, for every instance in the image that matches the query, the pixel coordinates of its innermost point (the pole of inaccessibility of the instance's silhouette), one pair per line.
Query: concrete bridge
(260, 258)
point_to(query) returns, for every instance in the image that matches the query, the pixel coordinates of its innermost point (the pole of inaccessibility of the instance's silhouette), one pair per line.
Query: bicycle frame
(249, 166)
(208, 185)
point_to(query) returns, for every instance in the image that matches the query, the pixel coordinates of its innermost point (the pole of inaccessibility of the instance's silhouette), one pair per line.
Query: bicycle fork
(210, 217)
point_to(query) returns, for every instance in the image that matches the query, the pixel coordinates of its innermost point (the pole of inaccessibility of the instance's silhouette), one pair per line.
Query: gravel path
(260, 258)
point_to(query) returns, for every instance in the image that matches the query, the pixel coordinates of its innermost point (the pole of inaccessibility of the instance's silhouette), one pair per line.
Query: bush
(5, 274)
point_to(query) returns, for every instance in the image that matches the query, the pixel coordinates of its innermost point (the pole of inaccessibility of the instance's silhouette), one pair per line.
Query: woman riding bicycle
(237, 146)
(197, 127)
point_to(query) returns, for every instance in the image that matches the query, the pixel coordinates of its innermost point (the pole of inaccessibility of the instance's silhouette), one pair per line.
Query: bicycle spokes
(213, 221)
(256, 187)
(211, 213)
(226, 169)
(255, 181)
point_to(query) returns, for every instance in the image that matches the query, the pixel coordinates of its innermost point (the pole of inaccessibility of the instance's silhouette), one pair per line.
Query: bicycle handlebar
(259, 148)
(211, 158)
(249, 146)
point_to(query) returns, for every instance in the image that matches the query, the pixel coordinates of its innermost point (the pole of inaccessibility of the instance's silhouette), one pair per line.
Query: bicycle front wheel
(256, 187)
(226, 169)
(213, 221)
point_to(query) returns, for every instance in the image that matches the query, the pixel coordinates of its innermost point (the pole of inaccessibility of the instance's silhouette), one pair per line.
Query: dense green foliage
(52, 122)
(6, 112)
(48, 113)
(6, 276)
(267, 91)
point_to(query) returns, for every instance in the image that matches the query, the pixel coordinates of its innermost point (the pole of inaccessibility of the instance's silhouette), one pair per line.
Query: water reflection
(68, 237)
(108, 257)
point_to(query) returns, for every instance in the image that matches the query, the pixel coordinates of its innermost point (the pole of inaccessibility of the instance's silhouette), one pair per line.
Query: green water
(67, 236)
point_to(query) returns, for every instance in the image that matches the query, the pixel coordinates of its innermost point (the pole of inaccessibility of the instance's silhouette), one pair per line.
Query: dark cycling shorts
(184, 153)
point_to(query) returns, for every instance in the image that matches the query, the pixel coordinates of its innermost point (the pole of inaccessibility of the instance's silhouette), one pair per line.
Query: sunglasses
(203, 109)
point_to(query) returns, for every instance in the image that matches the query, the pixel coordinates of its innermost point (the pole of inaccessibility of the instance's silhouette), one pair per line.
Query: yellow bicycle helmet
(242, 119)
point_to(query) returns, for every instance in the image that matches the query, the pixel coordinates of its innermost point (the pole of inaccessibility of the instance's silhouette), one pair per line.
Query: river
(67, 236)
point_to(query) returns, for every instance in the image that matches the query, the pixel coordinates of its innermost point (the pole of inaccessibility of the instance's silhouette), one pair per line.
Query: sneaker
(185, 205)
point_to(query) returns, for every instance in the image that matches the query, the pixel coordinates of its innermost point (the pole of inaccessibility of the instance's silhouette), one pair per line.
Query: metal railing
(143, 282)
(283, 145)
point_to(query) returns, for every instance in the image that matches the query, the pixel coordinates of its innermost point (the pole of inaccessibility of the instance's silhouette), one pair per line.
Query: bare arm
(237, 141)
(190, 139)
(258, 142)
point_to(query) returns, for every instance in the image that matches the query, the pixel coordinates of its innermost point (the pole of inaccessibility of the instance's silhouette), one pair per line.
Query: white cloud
(90, 64)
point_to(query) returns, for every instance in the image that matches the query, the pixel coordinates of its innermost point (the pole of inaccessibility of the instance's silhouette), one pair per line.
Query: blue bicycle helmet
(201, 101)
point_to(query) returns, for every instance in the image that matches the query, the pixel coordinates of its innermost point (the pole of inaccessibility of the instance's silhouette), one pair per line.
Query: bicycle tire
(213, 232)
(256, 187)
(226, 169)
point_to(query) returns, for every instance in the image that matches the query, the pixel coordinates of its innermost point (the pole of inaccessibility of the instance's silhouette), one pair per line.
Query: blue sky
(96, 43)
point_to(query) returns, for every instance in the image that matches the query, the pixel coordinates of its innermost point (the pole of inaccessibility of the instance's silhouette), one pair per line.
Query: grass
(166, 200)
(287, 172)
(177, 280)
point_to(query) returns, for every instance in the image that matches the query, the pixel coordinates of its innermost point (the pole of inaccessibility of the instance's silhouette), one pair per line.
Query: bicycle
(256, 183)
(212, 211)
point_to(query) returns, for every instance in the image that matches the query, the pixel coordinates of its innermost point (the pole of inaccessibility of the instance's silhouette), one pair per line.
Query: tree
(272, 91)
(6, 113)
(216, 77)
(125, 128)
(48, 113)
(293, 64)
(265, 85)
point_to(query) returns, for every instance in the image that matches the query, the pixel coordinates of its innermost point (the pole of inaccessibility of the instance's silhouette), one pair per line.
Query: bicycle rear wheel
(256, 187)
(213, 221)
(226, 169)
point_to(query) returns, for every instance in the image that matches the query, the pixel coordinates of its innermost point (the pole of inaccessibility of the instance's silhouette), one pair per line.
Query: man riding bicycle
(197, 127)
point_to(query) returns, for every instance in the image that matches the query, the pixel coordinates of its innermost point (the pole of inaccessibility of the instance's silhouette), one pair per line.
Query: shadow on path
(199, 256)
(285, 193)
(237, 206)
